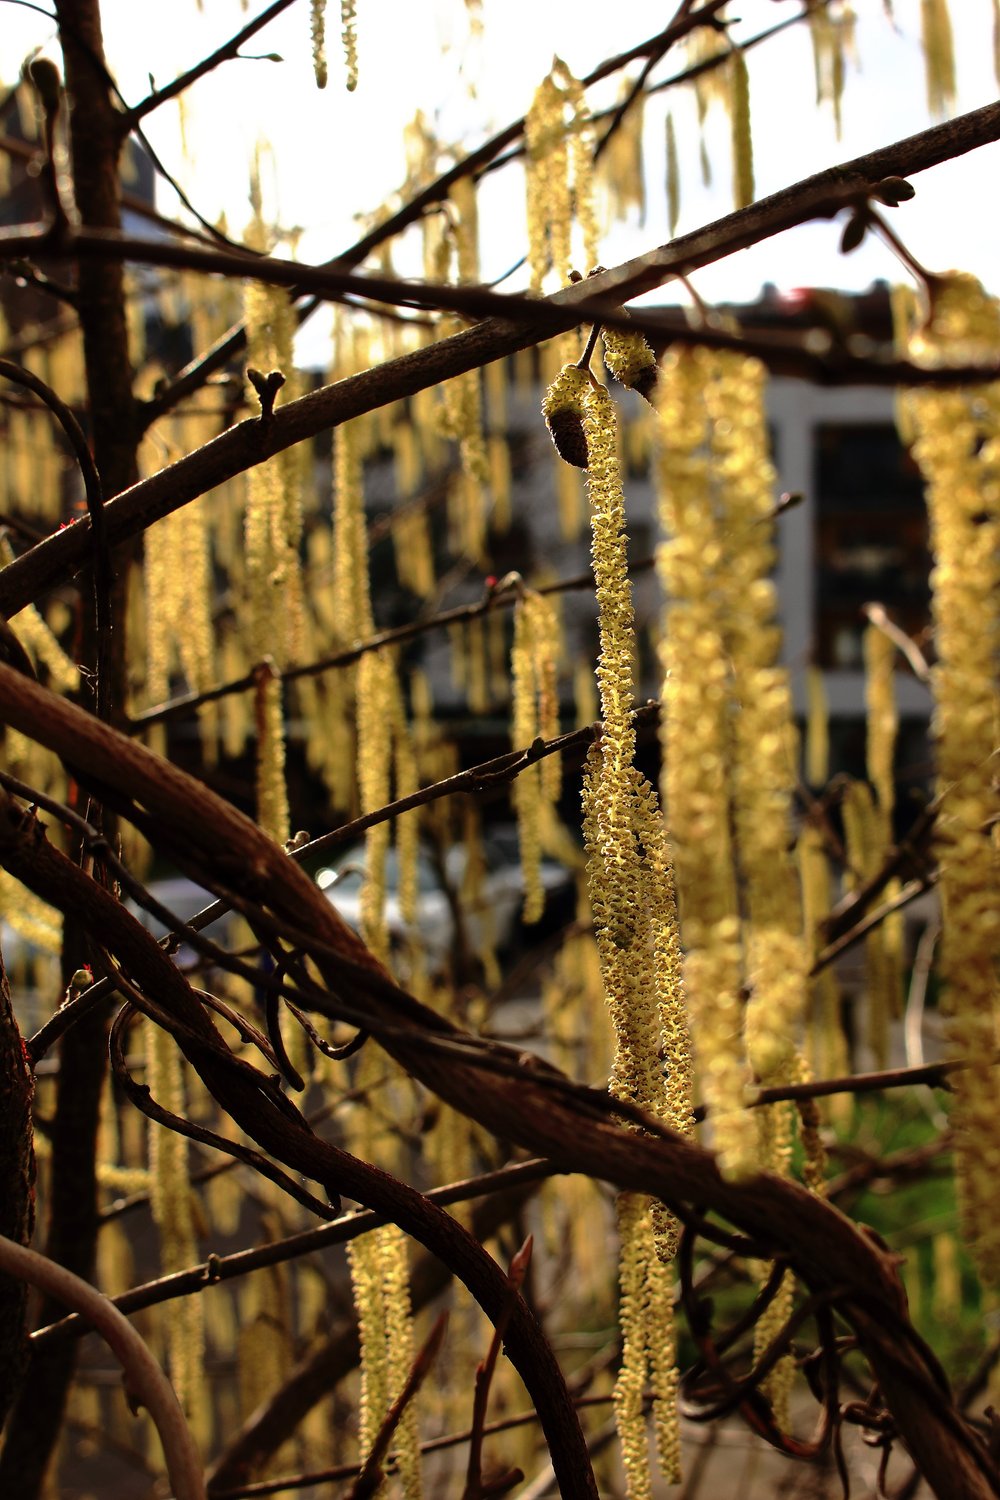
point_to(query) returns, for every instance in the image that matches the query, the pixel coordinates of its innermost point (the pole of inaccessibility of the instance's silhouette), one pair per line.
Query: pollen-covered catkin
(558, 137)
(534, 663)
(957, 446)
(631, 887)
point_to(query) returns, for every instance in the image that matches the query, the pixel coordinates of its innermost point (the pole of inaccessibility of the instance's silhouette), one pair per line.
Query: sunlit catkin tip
(630, 360)
(562, 408)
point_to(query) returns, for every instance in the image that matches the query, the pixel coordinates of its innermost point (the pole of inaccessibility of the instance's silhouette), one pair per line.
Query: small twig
(227, 52)
(516, 1273)
(876, 615)
(371, 1475)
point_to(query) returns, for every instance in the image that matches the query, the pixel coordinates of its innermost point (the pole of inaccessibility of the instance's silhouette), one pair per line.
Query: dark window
(871, 536)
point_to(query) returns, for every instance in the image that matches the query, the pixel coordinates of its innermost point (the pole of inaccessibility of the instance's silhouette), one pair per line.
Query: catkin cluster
(727, 738)
(559, 144)
(956, 441)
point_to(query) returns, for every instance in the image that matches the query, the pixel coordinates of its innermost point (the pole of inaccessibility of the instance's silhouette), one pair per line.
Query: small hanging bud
(893, 190)
(562, 409)
(48, 84)
(855, 230)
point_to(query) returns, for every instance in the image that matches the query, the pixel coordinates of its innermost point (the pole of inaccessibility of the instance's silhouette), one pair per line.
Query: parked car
(494, 913)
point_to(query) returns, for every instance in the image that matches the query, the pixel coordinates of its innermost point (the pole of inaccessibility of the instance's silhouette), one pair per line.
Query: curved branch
(514, 1101)
(146, 1383)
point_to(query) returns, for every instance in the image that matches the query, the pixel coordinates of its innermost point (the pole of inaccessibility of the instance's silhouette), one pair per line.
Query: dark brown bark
(17, 1198)
(514, 1097)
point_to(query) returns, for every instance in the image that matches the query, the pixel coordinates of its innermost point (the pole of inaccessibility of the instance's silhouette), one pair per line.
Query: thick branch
(244, 446)
(517, 1102)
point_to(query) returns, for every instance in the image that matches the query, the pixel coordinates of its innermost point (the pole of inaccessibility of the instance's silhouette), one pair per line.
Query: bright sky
(334, 155)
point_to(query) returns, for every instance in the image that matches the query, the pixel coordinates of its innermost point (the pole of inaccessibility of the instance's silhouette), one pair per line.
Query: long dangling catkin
(958, 453)
(620, 169)
(630, 877)
(317, 33)
(695, 739)
(534, 660)
(939, 56)
(172, 1213)
(348, 27)
(817, 767)
(828, 1044)
(673, 178)
(832, 38)
(352, 601)
(558, 137)
(272, 793)
(882, 721)
(375, 682)
(739, 115)
(274, 493)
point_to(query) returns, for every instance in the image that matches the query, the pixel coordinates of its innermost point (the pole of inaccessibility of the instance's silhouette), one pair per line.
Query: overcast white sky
(337, 154)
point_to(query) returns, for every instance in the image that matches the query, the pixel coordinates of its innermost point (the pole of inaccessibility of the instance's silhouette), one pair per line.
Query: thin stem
(228, 51)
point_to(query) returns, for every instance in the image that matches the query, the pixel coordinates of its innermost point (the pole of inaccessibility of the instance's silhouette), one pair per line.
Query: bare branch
(146, 1383)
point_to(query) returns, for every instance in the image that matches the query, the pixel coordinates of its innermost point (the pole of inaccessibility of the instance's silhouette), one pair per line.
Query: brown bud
(893, 190)
(566, 430)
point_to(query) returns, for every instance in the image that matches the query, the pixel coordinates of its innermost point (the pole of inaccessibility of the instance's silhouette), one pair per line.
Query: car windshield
(354, 863)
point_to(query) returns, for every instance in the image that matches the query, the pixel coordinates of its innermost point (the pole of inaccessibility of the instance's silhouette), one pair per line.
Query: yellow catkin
(863, 837)
(29, 916)
(832, 34)
(817, 729)
(272, 794)
(629, 358)
(958, 450)
(946, 1296)
(264, 1350)
(317, 33)
(352, 603)
(558, 136)
(34, 633)
(381, 1295)
(939, 56)
(274, 494)
(630, 877)
(673, 178)
(534, 658)
(407, 826)
(695, 740)
(774, 1124)
(411, 540)
(172, 1213)
(620, 171)
(882, 720)
(348, 15)
(882, 717)
(827, 1041)
(742, 140)
(461, 416)
(375, 696)
(556, 354)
